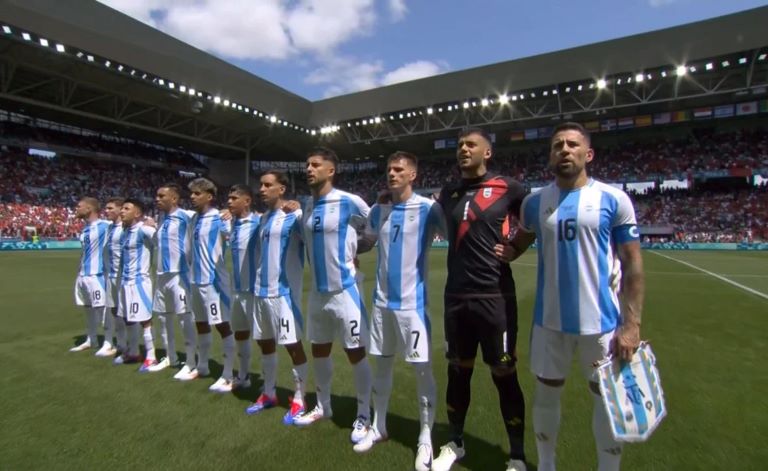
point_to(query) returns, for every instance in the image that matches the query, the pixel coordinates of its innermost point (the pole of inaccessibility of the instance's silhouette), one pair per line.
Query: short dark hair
(572, 126)
(92, 202)
(242, 189)
(280, 176)
(118, 200)
(475, 130)
(326, 154)
(137, 203)
(203, 184)
(401, 154)
(174, 187)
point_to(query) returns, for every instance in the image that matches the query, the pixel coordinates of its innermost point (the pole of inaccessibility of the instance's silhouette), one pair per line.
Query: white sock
(109, 329)
(363, 380)
(133, 340)
(228, 350)
(120, 333)
(244, 354)
(149, 343)
(546, 423)
(608, 449)
(323, 375)
(190, 339)
(203, 350)
(426, 390)
(269, 371)
(167, 333)
(299, 379)
(92, 324)
(382, 389)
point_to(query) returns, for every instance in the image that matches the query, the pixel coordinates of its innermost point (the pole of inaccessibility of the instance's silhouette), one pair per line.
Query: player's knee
(267, 347)
(355, 355)
(458, 363)
(553, 383)
(224, 329)
(241, 335)
(505, 369)
(321, 350)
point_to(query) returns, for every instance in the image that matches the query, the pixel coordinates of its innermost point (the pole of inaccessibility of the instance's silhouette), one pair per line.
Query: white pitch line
(719, 277)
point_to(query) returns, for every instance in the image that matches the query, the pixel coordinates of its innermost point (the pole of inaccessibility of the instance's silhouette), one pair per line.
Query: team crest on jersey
(411, 218)
(487, 192)
(455, 195)
(332, 210)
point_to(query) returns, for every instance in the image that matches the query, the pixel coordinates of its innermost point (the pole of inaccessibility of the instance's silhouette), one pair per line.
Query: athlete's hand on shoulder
(225, 215)
(626, 340)
(149, 221)
(505, 251)
(291, 206)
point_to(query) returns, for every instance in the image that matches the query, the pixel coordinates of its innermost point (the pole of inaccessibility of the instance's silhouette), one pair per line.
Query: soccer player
(113, 323)
(332, 223)
(90, 285)
(278, 285)
(243, 241)
(400, 322)
(210, 290)
(480, 302)
(173, 241)
(582, 226)
(134, 302)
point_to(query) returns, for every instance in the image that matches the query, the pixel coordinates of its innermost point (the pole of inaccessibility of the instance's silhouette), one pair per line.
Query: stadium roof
(89, 90)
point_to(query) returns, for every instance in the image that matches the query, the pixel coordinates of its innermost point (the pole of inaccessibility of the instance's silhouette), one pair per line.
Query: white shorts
(337, 315)
(171, 294)
(552, 352)
(113, 290)
(278, 318)
(403, 331)
(242, 311)
(209, 304)
(133, 303)
(90, 291)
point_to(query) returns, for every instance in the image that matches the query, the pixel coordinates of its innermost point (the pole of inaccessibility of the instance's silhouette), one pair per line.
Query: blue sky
(322, 48)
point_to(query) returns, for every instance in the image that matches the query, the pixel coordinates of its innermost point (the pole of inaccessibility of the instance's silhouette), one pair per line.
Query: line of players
(583, 227)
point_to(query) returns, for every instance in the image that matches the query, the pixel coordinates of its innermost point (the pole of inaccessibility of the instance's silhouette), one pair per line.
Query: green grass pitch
(73, 411)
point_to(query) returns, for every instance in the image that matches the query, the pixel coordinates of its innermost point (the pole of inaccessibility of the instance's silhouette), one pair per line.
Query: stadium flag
(702, 113)
(608, 125)
(532, 133)
(764, 106)
(724, 111)
(626, 123)
(679, 116)
(592, 125)
(452, 143)
(546, 131)
(642, 121)
(749, 107)
(517, 136)
(662, 118)
(632, 395)
(439, 143)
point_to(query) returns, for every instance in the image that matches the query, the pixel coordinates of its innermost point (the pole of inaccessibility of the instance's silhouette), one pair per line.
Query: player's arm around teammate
(112, 323)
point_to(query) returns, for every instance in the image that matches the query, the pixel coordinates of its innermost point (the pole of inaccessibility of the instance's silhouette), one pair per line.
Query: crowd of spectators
(41, 192)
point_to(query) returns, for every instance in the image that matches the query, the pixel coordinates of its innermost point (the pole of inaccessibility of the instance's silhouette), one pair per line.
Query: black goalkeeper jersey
(478, 213)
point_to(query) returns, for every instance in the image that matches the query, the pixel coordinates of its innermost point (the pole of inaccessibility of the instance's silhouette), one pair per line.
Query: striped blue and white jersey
(577, 234)
(136, 247)
(208, 264)
(281, 255)
(405, 232)
(330, 228)
(173, 241)
(113, 249)
(93, 240)
(243, 243)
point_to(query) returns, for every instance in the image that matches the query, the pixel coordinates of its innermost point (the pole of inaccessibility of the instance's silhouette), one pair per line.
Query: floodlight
(377, 120)
(601, 83)
(430, 111)
(226, 102)
(762, 57)
(503, 99)
(579, 88)
(484, 102)
(7, 29)
(743, 60)
(466, 105)
(681, 70)
(709, 66)
(639, 78)
(90, 58)
(664, 73)
(26, 36)
(43, 42)
(725, 63)
(191, 91)
(61, 48)
(272, 119)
